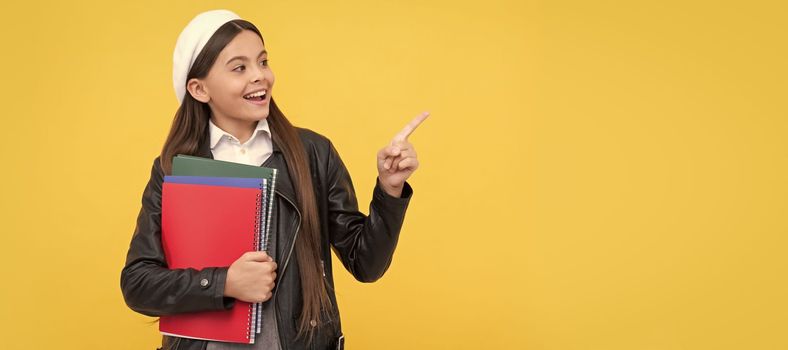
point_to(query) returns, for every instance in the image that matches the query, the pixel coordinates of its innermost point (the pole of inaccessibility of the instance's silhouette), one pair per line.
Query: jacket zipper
(284, 268)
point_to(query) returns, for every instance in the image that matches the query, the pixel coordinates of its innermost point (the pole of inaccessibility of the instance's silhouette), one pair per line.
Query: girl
(224, 83)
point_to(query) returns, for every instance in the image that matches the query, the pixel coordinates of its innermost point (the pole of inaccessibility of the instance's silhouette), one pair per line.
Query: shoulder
(156, 174)
(156, 168)
(312, 138)
(315, 143)
(324, 158)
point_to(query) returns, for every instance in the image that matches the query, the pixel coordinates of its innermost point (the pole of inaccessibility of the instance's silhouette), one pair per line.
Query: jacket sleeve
(364, 244)
(148, 286)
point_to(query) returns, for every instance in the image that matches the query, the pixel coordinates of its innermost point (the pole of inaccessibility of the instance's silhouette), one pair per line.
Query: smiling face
(238, 85)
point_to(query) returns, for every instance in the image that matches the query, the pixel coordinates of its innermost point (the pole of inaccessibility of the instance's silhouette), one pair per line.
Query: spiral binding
(262, 219)
(257, 226)
(268, 211)
(255, 245)
(261, 247)
(264, 212)
(270, 207)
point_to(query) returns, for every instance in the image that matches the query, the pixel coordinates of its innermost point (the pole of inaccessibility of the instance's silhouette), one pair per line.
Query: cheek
(270, 76)
(234, 88)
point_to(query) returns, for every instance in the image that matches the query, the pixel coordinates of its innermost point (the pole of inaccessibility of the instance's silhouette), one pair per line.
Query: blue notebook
(216, 181)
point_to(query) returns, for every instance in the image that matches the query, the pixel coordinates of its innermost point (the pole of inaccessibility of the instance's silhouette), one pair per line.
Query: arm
(148, 286)
(364, 244)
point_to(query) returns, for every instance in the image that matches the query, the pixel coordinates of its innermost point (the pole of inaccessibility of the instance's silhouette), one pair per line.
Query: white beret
(190, 43)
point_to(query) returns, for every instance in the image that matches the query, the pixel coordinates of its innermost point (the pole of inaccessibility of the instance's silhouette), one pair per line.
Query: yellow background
(595, 174)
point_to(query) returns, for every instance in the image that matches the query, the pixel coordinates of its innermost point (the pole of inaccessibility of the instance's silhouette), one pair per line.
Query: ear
(198, 90)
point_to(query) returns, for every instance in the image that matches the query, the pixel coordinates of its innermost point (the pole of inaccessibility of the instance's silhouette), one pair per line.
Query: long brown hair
(188, 131)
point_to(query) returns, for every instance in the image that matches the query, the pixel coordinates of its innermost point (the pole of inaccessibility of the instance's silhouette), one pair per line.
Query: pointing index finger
(408, 129)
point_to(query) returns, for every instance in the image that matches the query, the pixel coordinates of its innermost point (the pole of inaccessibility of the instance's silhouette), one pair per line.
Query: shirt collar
(217, 133)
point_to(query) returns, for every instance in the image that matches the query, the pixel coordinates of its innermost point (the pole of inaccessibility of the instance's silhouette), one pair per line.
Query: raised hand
(398, 160)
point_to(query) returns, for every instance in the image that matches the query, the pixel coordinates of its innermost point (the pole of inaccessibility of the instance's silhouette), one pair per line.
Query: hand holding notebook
(251, 277)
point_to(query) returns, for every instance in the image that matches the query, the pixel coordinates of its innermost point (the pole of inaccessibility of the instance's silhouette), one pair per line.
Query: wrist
(228, 285)
(394, 191)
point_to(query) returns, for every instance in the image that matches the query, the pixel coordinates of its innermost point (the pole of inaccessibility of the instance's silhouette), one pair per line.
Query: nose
(258, 74)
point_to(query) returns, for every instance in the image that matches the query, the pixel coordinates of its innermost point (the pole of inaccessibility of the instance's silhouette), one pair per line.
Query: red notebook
(209, 226)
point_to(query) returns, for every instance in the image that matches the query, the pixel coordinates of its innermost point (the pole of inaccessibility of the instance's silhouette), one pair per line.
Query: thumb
(388, 151)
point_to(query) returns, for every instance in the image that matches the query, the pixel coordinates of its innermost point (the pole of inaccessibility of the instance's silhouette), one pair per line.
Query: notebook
(185, 165)
(209, 222)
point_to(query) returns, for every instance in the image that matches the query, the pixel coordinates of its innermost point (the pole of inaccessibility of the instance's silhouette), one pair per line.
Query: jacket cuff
(216, 279)
(380, 194)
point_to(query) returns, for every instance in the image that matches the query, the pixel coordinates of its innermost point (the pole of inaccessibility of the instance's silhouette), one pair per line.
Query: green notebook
(183, 165)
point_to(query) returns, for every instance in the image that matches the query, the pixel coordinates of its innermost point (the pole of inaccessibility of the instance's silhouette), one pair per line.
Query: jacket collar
(284, 187)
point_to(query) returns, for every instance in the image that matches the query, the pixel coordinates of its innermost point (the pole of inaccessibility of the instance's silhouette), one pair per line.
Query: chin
(259, 114)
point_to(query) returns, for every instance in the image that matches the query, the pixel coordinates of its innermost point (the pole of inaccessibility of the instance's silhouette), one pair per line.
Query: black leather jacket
(364, 244)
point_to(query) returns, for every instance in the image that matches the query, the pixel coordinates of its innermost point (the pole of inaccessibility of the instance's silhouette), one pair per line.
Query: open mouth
(256, 96)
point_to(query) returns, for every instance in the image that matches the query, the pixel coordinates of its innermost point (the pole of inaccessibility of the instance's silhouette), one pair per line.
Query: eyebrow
(244, 58)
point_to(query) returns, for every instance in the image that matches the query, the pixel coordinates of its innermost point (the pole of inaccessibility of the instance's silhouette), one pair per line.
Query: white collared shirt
(254, 151)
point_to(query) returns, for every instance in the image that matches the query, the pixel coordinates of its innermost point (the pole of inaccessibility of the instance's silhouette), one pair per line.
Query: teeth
(261, 93)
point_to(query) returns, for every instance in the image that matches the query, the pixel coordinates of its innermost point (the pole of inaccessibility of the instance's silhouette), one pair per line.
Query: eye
(264, 62)
(236, 68)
